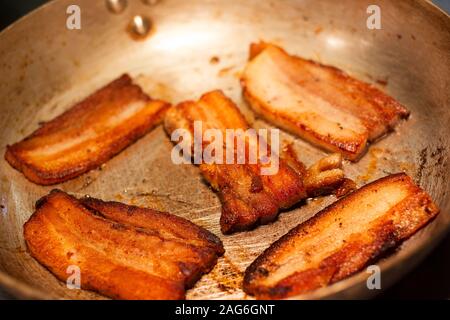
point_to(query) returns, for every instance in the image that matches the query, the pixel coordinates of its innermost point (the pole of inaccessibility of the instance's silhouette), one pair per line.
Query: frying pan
(195, 46)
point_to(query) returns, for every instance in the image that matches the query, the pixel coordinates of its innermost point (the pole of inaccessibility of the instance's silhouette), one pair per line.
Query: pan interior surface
(197, 46)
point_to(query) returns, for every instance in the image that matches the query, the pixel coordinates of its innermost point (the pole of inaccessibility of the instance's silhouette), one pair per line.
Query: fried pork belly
(248, 197)
(341, 239)
(88, 134)
(123, 252)
(318, 103)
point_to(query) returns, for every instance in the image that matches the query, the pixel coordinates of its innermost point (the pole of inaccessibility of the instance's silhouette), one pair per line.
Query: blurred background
(430, 280)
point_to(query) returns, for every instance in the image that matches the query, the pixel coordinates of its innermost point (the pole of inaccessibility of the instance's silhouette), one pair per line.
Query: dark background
(430, 280)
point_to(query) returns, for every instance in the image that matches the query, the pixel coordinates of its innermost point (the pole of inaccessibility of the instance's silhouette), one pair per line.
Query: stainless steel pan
(194, 46)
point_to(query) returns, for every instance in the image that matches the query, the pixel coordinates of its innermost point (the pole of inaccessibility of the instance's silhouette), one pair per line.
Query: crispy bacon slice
(88, 134)
(319, 103)
(123, 252)
(341, 239)
(248, 197)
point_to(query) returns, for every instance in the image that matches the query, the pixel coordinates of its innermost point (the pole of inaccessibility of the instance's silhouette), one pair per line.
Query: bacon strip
(88, 134)
(341, 239)
(248, 197)
(319, 103)
(123, 252)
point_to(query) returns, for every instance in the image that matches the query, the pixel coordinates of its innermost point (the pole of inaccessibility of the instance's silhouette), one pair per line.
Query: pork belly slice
(88, 134)
(123, 252)
(248, 197)
(318, 103)
(341, 239)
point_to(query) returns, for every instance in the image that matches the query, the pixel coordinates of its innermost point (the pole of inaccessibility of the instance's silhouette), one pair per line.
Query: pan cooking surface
(197, 46)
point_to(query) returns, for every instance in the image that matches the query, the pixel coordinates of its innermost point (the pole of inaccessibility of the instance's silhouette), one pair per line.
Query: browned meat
(123, 252)
(88, 134)
(248, 197)
(319, 103)
(341, 239)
